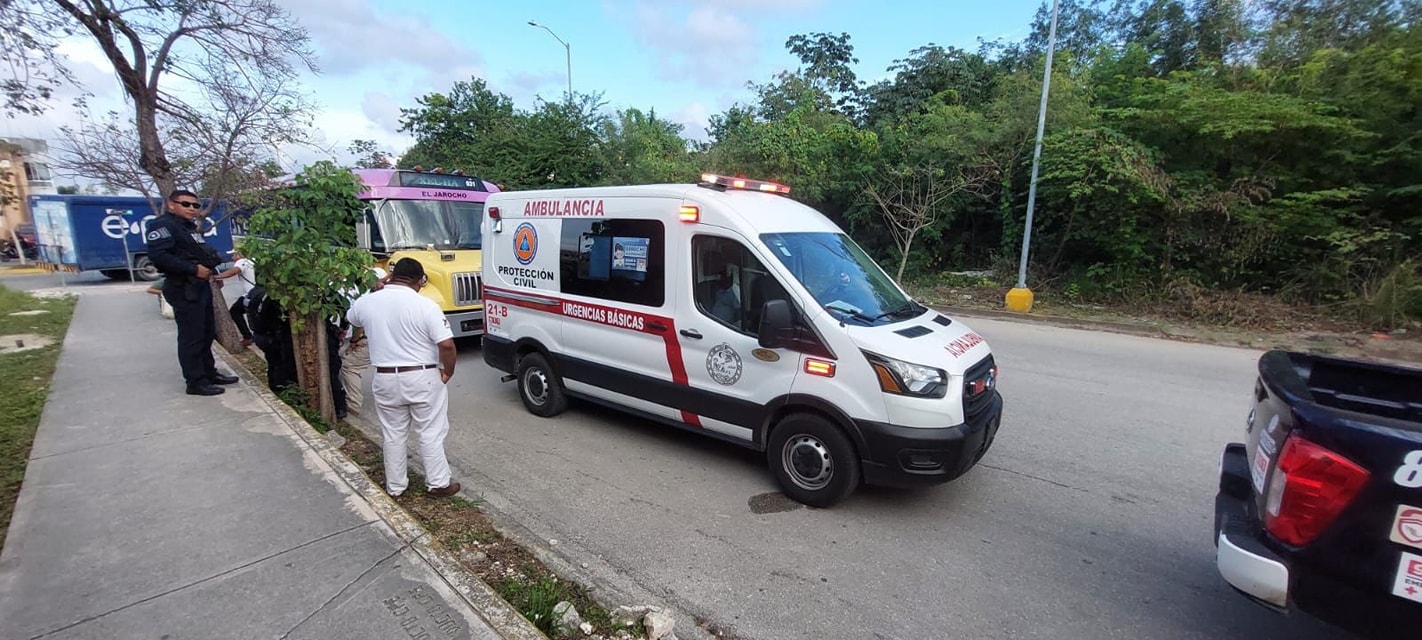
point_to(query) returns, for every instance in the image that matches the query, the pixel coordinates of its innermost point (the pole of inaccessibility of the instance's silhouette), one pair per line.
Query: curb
(486, 603)
(21, 271)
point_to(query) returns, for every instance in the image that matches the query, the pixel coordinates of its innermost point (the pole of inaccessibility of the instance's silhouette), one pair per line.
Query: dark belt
(418, 367)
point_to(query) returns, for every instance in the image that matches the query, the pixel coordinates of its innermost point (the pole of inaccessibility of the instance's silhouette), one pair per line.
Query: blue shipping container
(99, 233)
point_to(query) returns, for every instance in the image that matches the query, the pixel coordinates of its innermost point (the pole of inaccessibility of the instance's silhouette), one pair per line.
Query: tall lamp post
(1020, 297)
(568, 48)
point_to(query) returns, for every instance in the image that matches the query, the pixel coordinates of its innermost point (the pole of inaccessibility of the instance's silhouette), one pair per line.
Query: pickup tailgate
(1350, 487)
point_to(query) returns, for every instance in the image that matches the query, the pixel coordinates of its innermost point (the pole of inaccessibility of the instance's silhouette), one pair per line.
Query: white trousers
(419, 399)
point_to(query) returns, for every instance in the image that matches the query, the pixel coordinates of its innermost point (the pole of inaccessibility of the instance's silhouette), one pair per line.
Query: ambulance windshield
(420, 224)
(841, 277)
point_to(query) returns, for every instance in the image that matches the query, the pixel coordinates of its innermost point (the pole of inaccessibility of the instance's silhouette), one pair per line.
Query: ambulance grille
(466, 289)
(977, 397)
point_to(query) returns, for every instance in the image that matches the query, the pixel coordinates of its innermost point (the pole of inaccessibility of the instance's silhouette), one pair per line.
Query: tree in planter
(303, 237)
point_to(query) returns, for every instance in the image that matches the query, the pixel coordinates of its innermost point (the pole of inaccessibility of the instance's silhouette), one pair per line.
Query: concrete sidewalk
(149, 513)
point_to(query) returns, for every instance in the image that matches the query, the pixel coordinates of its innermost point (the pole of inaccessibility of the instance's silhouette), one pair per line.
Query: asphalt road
(1090, 518)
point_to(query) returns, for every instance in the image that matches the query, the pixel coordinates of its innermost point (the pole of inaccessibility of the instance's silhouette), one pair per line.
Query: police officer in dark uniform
(177, 248)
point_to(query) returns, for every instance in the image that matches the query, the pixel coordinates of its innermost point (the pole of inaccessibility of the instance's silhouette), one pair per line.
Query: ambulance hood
(931, 339)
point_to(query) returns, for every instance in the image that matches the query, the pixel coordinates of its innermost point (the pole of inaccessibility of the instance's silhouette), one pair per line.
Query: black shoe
(221, 379)
(445, 491)
(205, 390)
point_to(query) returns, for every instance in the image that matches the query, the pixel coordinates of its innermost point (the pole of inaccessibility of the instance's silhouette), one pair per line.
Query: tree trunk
(311, 367)
(1066, 237)
(151, 155)
(908, 246)
(227, 334)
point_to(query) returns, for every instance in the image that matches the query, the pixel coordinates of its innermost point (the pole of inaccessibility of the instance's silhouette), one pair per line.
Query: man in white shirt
(355, 354)
(412, 349)
(237, 280)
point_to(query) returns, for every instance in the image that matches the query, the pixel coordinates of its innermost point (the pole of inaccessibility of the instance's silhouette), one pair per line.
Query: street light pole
(568, 49)
(1020, 298)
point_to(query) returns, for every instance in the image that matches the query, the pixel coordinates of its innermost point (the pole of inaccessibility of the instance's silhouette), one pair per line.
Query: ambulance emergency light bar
(728, 182)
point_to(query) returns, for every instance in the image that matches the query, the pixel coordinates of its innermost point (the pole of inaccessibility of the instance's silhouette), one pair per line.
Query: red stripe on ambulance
(502, 297)
(614, 317)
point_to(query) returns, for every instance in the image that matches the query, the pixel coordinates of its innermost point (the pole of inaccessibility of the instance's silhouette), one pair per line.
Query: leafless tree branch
(237, 61)
(912, 199)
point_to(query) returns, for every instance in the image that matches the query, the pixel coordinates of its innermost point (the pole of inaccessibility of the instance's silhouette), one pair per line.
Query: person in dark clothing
(177, 248)
(271, 332)
(333, 363)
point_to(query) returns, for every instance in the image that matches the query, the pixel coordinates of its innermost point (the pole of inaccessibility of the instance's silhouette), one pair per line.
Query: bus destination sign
(441, 180)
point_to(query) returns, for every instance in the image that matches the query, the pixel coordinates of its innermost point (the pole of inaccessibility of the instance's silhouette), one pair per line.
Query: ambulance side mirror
(774, 323)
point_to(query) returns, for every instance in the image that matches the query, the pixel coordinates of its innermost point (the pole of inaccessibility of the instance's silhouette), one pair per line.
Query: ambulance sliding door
(616, 313)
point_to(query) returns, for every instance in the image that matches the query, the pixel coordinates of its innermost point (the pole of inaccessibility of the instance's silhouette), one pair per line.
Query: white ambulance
(729, 309)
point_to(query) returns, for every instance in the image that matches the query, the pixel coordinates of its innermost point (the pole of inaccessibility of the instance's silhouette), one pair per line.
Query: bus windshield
(421, 224)
(841, 277)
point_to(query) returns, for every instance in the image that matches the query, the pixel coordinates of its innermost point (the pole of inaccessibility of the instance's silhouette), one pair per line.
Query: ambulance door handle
(691, 333)
(656, 326)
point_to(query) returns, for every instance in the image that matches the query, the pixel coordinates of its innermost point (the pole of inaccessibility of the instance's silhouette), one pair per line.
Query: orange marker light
(690, 213)
(817, 367)
(887, 382)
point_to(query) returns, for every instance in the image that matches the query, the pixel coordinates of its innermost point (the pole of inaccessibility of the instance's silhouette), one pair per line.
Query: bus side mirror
(363, 234)
(774, 324)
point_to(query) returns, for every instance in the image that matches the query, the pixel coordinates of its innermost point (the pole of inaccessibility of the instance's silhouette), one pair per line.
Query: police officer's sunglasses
(185, 203)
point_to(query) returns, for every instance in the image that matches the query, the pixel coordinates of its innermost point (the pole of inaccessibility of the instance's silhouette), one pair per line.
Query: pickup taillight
(1309, 487)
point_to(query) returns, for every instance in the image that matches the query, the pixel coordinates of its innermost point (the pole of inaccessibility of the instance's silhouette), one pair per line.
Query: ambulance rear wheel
(539, 386)
(812, 459)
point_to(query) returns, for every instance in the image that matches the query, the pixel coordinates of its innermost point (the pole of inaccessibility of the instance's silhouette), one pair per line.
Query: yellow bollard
(1019, 300)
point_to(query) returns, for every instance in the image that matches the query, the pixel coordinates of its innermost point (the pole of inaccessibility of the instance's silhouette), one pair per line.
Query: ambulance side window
(619, 260)
(724, 270)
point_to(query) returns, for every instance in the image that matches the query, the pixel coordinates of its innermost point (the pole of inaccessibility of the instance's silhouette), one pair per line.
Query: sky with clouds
(687, 59)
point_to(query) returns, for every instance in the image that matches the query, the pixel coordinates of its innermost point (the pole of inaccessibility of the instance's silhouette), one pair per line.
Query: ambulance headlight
(908, 379)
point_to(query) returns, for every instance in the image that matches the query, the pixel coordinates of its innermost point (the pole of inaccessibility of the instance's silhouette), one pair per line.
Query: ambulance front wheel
(812, 459)
(539, 386)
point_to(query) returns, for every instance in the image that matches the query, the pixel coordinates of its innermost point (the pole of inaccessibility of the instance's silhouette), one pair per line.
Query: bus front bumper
(466, 324)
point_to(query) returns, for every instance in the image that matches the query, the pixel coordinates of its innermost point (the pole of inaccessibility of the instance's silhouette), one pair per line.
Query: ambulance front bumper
(898, 456)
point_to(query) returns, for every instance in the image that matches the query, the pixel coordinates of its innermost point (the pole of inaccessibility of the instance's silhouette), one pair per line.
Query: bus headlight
(908, 379)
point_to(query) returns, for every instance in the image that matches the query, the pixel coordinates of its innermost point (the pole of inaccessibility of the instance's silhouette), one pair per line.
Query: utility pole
(1020, 298)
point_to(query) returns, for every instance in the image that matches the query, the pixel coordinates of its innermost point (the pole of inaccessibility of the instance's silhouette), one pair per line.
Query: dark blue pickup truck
(1320, 509)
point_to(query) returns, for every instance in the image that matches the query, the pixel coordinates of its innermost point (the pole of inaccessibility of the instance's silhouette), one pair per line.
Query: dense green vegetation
(1192, 146)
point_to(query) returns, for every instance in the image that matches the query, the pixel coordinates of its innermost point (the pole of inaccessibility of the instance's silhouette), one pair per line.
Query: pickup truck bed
(1320, 509)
